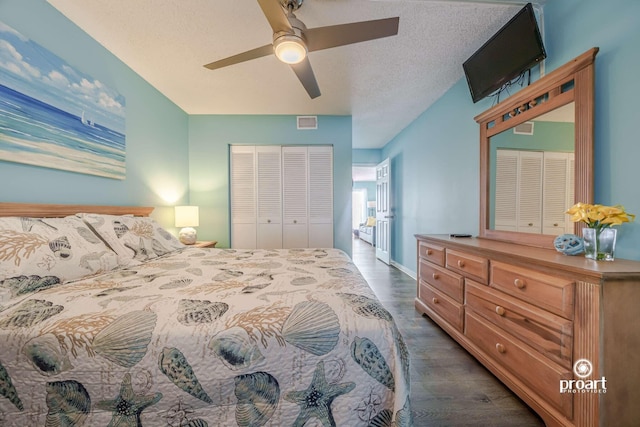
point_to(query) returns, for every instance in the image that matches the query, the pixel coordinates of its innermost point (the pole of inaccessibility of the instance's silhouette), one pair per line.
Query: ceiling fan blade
(242, 57)
(339, 35)
(305, 74)
(275, 15)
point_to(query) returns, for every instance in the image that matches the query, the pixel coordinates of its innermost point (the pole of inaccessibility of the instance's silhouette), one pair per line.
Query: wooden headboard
(37, 210)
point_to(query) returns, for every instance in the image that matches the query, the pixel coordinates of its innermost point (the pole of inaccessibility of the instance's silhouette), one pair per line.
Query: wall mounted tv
(514, 49)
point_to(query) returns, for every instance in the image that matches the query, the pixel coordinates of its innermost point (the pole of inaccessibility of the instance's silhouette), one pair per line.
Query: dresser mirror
(536, 156)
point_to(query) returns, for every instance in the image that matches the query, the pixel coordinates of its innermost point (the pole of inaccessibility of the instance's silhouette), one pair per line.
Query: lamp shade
(187, 216)
(290, 49)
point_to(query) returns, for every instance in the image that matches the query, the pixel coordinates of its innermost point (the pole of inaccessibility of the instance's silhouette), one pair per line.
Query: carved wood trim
(586, 325)
(37, 210)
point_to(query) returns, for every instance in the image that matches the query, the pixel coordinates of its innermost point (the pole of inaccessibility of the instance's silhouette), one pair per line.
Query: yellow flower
(599, 216)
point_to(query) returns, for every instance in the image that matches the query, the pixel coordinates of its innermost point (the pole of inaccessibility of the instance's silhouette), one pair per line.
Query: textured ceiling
(383, 84)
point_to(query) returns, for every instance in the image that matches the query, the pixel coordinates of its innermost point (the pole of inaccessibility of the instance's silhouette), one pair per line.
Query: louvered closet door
(558, 192)
(530, 192)
(506, 206)
(269, 196)
(295, 228)
(243, 197)
(320, 196)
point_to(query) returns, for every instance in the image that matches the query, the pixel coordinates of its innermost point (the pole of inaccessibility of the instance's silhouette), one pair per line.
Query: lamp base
(187, 236)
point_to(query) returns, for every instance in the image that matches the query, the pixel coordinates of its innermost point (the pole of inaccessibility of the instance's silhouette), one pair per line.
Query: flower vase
(599, 243)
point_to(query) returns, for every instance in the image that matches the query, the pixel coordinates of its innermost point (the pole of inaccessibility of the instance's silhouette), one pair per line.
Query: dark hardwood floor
(448, 386)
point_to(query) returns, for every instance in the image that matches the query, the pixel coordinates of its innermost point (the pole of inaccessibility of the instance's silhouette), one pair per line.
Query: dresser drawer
(542, 375)
(445, 307)
(468, 265)
(433, 253)
(552, 293)
(549, 334)
(443, 280)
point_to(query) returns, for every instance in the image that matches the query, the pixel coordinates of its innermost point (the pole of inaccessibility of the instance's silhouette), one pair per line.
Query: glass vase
(599, 244)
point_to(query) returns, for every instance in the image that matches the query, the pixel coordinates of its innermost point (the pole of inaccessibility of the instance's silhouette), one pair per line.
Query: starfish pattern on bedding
(316, 400)
(128, 406)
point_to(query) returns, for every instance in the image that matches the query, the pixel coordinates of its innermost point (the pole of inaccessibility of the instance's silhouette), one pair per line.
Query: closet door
(320, 196)
(269, 197)
(243, 197)
(530, 192)
(295, 228)
(506, 198)
(558, 192)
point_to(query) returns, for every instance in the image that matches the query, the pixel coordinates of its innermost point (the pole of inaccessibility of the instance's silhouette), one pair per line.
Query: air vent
(307, 122)
(525, 128)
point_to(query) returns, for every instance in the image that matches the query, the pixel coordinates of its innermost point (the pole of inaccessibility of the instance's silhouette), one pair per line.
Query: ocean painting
(54, 116)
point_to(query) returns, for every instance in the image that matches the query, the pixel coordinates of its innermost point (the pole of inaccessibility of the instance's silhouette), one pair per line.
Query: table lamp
(187, 218)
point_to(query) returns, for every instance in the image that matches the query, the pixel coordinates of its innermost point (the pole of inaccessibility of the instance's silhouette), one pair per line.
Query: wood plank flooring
(448, 386)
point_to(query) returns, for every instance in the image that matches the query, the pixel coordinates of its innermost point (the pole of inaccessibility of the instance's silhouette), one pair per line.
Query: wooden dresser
(530, 314)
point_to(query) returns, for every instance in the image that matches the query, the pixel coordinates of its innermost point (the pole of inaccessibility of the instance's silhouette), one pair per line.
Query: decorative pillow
(134, 239)
(37, 253)
(371, 221)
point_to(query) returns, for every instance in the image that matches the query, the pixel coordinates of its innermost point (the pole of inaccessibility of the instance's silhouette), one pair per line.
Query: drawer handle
(429, 252)
(435, 300)
(460, 263)
(268, 221)
(520, 284)
(435, 276)
(530, 224)
(500, 310)
(500, 348)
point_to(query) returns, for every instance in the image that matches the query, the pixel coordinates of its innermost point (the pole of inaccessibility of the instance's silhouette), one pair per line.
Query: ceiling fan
(292, 40)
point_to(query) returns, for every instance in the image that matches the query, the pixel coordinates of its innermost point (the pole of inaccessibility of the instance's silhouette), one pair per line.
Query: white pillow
(134, 239)
(40, 252)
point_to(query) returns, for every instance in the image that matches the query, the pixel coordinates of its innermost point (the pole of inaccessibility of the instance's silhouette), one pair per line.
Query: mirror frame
(573, 82)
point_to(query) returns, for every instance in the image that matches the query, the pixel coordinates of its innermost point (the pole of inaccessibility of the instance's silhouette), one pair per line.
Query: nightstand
(205, 244)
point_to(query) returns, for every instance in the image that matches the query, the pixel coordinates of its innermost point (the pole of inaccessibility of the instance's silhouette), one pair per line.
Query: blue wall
(156, 130)
(209, 140)
(370, 186)
(367, 156)
(435, 160)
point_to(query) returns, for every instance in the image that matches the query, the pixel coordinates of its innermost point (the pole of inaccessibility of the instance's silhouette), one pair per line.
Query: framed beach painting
(53, 115)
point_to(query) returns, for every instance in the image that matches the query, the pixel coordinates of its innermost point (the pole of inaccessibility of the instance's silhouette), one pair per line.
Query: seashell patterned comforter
(206, 337)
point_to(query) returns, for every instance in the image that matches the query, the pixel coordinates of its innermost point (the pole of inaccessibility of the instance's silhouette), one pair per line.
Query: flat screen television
(514, 49)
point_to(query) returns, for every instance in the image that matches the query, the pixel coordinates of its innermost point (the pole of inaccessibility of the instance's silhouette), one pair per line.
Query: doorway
(363, 196)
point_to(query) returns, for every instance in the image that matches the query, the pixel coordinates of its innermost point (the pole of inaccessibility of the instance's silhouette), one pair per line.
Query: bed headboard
(38, 210)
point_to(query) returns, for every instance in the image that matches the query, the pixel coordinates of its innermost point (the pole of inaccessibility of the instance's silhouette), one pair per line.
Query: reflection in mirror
(531, 172)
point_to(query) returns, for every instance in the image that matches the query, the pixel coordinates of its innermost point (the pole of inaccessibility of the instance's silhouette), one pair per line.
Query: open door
(383, 211)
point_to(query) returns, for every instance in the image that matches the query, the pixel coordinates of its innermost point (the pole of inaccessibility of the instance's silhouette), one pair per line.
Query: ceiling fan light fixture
(290, 49)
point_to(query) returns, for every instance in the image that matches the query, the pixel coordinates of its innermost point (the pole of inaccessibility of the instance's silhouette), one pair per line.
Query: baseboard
(404, 269)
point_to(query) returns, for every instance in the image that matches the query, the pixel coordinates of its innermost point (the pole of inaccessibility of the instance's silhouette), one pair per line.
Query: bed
(106, 319)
